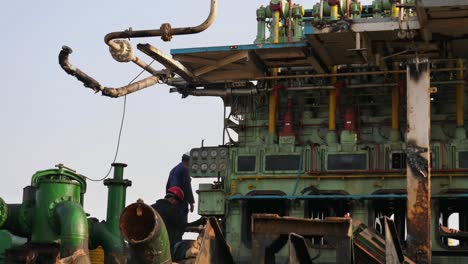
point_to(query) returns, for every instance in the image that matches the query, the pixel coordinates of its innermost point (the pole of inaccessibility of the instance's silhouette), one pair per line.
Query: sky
(48, 117)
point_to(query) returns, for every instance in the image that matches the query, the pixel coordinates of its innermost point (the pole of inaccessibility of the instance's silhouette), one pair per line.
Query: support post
(418, 168)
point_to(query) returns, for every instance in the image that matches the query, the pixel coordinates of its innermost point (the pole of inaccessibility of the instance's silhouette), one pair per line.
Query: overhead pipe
(143, 228)
(121, 51)
(91, 83)
(166, 32)
(324, 75)
(224, 92)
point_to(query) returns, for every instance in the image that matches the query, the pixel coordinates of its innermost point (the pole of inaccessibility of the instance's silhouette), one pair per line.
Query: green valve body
(49, 194)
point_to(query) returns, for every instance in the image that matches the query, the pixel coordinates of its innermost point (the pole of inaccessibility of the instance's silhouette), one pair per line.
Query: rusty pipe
(144, 229)
(87, 80)
(165, 31)
(95, 85)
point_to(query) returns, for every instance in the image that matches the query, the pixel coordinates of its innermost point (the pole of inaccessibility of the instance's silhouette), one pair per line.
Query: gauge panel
(209, 162)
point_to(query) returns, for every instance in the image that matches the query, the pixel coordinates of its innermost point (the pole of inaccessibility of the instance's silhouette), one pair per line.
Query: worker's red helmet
(177, 192)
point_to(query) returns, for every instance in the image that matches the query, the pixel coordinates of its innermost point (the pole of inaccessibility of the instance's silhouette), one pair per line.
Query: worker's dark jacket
(179, 176)
(173, 219)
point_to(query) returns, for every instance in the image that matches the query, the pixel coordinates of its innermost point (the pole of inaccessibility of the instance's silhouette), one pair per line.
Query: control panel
(209, 162)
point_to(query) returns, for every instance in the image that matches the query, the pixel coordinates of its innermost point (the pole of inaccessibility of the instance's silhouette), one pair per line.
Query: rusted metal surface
(268, 231)
(393, 251)
(144, 230)
(276, 225)
(418, 169)
(370, 247)
(89, 82)
(298, 253)
(168, 62)
(214, 248)
(33, 254)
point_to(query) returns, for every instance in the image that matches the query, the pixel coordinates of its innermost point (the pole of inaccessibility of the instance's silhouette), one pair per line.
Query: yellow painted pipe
(395, 10)
(460, 100)
(334, 12)
(332, 103)
(276, 26)
(97, 255)
(234, 187)
(395, 99)
(272, 99)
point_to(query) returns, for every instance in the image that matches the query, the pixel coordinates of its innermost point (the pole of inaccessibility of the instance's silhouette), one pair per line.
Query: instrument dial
(223, 153)
(204, 167)
(213, 166)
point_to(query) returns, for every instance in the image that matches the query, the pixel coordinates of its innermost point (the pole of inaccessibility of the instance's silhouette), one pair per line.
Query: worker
(168, 209)
(179, 176)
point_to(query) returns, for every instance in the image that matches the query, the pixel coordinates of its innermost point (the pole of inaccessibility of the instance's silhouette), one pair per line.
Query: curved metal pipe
(165, 31)
(73, 228)
(89, 82)
(113, 245)
(146, 234)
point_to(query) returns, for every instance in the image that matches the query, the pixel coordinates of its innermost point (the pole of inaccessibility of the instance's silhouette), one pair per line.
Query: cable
(121, 127)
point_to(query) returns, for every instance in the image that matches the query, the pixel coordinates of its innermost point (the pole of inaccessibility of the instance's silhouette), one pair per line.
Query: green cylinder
(261, 17)
(146, 233)
(116, 197)
(49, 194)
(3, 212)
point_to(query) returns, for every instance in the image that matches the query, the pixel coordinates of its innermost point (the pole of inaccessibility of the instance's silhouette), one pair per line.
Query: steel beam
(169, 63)
(221, 63)
(418, 168)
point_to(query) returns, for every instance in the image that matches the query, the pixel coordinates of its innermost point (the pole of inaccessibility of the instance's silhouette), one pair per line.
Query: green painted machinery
(51, 211)
(51, 224)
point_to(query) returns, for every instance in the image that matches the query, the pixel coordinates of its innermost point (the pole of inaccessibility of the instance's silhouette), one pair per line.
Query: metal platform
(365, 41)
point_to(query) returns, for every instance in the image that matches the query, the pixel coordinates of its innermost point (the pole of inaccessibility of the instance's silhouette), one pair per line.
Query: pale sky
(48, 117)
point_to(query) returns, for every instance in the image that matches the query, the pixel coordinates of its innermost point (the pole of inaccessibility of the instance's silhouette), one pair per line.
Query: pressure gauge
(195, 154)
(204, 154)
(213, 153)
(213, 166)
(204, 167)
(195, 167)
(222, 166)
(223, 153)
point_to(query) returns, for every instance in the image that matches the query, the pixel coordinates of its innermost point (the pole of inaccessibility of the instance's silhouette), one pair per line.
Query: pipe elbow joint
(100, 235)
(72, 70)
(72, 227)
